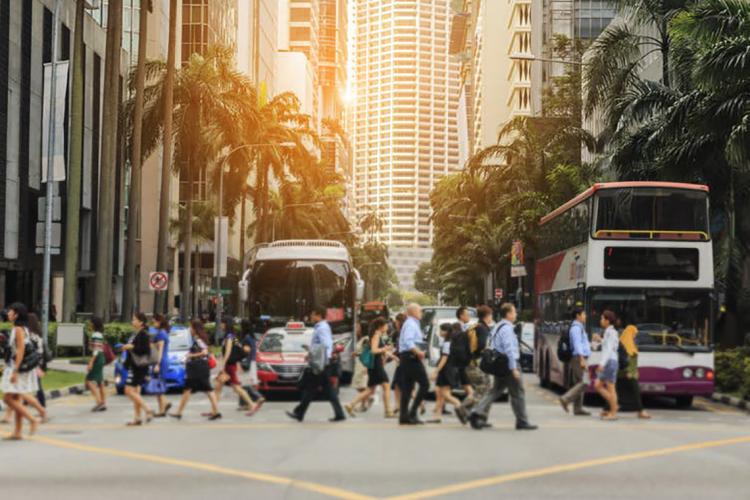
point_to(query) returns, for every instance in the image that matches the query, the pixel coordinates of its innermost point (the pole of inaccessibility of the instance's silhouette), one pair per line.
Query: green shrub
(732, 368)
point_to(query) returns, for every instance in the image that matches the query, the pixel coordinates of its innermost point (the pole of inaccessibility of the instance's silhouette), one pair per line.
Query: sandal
(176, 416)
(12, 438)
(350, 410)
(34, 426)
(644, 416)
(390, 414)
(215, 416)
(149, 416)
(134, 423)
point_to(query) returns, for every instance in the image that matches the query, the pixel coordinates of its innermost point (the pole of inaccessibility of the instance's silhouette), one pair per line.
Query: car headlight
(264, 367)
(687, 373)
(700, 373)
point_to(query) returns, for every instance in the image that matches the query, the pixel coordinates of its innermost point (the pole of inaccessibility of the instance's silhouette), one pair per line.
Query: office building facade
(404, 125)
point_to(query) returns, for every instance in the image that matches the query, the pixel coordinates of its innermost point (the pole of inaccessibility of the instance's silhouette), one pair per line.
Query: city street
(698, 453)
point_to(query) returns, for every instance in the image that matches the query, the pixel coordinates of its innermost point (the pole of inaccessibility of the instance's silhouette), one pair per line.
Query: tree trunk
(160, 304)
(108, 166)
(187, 248)
(73, 194)
(134, 201)
(665, 43)
(196, 281)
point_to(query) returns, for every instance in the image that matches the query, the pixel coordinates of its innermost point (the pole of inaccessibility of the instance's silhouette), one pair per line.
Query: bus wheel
(684, 401)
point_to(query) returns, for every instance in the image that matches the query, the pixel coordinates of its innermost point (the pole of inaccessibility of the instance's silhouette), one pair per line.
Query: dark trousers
(629, 393)
(577, 385)
(310, 385)
(412, 372)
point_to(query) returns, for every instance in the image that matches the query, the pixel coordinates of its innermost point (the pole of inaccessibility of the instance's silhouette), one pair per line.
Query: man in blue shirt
(412, 369)
(504, 341)
(322, 336)
(581, 350)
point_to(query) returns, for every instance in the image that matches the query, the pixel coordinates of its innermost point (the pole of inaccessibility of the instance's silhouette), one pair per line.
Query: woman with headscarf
(628, 372)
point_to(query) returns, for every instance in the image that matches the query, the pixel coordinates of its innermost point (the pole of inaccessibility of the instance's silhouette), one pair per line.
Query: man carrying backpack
(477, 336)
(504, 343)
(320, 369)
(580, 350)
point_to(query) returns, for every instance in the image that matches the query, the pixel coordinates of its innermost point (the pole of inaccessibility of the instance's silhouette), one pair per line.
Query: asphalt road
(699, 453)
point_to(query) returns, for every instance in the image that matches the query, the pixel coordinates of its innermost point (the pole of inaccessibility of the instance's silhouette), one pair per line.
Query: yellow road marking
(216, 469)
(558, 469)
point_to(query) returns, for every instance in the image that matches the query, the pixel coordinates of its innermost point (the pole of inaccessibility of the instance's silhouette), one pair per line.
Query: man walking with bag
(478, 336)
(504, 345)
(412, 369)
(580, 350)
(319, 370)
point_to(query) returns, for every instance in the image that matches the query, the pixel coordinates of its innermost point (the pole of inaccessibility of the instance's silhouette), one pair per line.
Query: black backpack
(237, 352)
(565, 347)
(460, 350)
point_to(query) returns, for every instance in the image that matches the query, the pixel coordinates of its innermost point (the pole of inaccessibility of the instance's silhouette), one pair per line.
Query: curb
(65, 391)
(731, 401)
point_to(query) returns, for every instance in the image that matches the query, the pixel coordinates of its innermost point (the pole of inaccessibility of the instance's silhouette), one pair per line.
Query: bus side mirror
(244, 287)
(359, 290)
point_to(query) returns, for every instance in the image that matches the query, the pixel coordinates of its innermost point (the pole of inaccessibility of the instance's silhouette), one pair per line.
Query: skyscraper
(404, 122)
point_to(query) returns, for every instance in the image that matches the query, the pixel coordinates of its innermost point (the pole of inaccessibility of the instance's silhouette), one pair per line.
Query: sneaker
(525, 426)
(294, 416)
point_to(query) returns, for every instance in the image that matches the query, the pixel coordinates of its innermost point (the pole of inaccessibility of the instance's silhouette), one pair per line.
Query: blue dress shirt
(504, 341)
(411, 333)
(322, 335)
(579, 341)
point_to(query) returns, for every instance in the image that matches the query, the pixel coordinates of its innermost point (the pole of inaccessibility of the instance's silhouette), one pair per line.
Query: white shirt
(610, 344)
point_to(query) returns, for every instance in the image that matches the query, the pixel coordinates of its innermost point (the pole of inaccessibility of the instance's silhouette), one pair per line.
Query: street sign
(224, 291)
(58, 154)
(498, 293)
(517, 267)
(158, 281)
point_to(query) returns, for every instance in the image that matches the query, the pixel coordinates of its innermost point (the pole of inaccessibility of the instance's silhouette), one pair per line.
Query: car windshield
(180, 340)
(281, 343)
(666, 318)
(285, 290)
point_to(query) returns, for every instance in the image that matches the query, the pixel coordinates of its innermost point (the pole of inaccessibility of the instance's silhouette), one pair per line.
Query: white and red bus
(643, 250)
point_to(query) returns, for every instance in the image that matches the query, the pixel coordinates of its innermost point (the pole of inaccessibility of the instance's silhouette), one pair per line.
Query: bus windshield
(667, 319)
(651, 209)
(284, 290)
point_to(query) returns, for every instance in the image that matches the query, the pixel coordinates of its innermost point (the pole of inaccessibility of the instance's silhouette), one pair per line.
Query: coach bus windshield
(284, 290)
(651, 209)
(667, 319)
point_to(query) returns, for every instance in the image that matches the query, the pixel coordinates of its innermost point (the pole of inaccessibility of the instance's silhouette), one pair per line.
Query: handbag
(366, 357)
(211, 361)
(197, 369)
(32, 356)
(493, 362)
(156, 385)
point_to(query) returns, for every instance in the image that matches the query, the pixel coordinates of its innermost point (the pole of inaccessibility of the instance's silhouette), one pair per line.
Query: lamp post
(218, 245)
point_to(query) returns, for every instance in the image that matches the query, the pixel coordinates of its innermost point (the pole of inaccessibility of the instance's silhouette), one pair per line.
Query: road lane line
(559, 469)
(216, 469)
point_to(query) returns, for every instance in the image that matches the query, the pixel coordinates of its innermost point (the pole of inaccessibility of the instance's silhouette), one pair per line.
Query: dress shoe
(294, 416)
(340, 418)
(526, 427)
(582, 413)
(462, 415)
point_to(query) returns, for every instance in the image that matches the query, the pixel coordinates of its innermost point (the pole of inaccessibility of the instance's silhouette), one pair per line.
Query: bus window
(651, 209)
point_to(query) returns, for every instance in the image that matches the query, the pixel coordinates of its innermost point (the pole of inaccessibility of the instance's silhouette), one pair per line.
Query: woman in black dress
(445, 376)
(138, 347)
(376, 375)
(198, 372)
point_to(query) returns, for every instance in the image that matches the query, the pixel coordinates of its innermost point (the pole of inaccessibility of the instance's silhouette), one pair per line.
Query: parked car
(179, 346)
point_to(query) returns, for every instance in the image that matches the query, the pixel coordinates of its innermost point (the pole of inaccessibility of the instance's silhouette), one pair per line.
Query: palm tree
(160, 303)
(212, 104)
(134, 200)
(202, 232)
(110, 119)
(620, 53)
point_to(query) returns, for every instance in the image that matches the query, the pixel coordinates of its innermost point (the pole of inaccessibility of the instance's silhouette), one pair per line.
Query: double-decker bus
(283, 281)
(642, 250)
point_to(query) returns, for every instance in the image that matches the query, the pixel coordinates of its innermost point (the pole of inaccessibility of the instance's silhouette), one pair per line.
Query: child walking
(95, 374)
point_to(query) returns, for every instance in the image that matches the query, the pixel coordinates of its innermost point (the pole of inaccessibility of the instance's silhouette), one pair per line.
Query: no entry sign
(158, 281)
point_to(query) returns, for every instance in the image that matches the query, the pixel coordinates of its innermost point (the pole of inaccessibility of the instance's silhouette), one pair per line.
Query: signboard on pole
(221, 237)
(158, 281)
(61, 83)
(517, 266)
